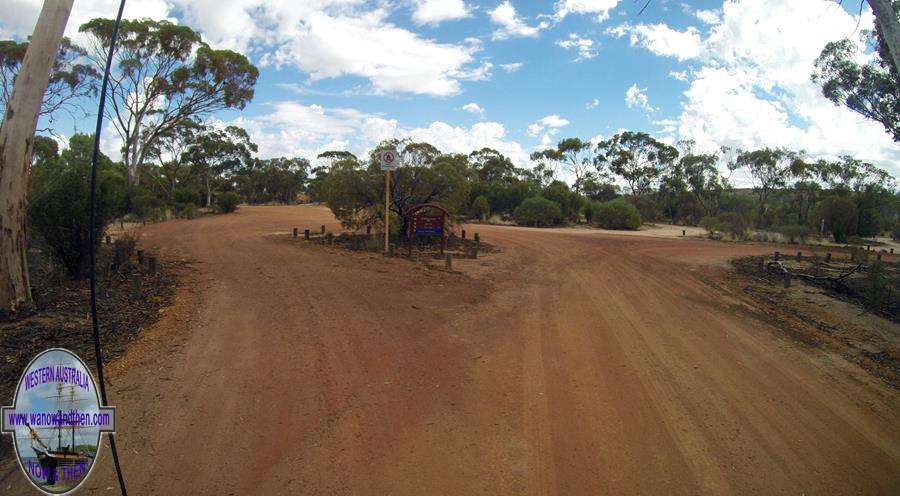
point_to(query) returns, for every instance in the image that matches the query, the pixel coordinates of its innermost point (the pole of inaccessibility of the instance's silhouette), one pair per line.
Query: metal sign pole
(387, 211)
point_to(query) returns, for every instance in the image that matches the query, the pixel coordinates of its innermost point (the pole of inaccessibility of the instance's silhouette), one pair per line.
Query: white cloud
(549, 125)
(510, 24)
(679, 75)
(20, 16)
(513, 67)
(434, 12)
(754, 89)
(295, 129)
(593, 104)
(585, 46)
(662, 40)
(474, 108)
(600, 8)
(637, 97)
(709, 16)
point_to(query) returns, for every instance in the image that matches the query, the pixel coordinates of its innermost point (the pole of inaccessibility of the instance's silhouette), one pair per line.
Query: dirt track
(570, 363)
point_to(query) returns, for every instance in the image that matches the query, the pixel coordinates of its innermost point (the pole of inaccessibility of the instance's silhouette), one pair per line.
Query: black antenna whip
(98, 353)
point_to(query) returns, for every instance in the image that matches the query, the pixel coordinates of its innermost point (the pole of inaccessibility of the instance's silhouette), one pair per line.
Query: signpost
(388, 164)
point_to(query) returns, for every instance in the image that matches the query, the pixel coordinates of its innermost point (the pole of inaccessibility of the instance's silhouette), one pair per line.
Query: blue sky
(518, 75)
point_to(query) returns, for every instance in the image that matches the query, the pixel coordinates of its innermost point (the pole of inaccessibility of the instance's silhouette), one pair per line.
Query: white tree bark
(890, 28)
(16, 142)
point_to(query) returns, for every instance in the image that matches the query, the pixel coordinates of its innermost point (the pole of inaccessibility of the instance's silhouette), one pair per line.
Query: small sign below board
(388, 160)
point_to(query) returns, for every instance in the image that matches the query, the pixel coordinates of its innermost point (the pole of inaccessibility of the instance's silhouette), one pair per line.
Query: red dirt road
(570, 363)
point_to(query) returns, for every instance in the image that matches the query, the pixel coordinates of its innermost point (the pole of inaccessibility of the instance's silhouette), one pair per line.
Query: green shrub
(227, 202)
(144, 204)
(711, 224)
(795, 233)
(538, 211)
(188, 210)
(588, 212)
(59, 210)
(840, 217)
(188, 194)
(616, 214)
(733, 224)
(481, 208)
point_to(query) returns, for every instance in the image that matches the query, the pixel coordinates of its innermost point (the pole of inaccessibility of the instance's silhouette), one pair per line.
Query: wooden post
(330, 238)
(684, 232)
(306, 234)
(828, 257)
(296, 231)
(387, 210)
(136, 286)
(323, 229)
(141, 257)
(448, 261)
(16, 147)
(777, 256)
(799, 255)
(151, 265)
(463, 234)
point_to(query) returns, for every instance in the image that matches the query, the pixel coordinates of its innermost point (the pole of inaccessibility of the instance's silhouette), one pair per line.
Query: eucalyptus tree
(215, 152)
(770, 169)
(70, 81)
(164, 74)
(638, 158)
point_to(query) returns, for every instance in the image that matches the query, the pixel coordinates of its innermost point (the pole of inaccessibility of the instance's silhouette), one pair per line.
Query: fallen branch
(781, 268)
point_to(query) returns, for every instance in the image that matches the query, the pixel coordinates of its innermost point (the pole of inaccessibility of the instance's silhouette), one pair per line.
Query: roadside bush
(795, 233)
(840, 217)
(189, 210)
(227, 202)
(481, 208)
(733, 224)
(188, 194)
(711, 224)
(616, 214)
(144, 204)
(538, 211)
(59, 210)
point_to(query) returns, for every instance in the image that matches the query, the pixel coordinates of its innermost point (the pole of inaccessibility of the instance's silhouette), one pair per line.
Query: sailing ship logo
(56, 421)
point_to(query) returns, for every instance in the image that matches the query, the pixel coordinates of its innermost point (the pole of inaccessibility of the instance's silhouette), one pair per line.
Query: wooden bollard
(777, 256)
(306, 234)
(477, 238)
(463, 234)
(323, 229)
(140, 254)
(330, 238)
(799, 255)
(151, 265)
(109, 240)
(684, 232)
(868, 247)
(828, 257)
(787, 281)
(296, 231)
(448, 261)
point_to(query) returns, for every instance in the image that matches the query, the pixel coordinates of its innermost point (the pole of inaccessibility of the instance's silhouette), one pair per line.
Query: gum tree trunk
(16, 142)
(890, 28)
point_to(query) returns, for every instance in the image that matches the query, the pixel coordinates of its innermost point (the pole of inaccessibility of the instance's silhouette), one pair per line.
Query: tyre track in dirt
(572, 362)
